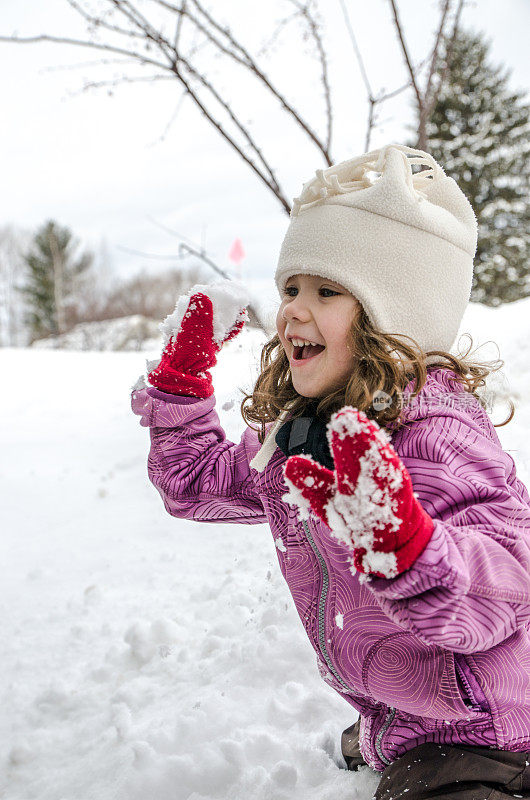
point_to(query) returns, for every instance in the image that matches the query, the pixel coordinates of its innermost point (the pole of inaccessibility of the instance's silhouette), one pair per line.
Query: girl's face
(317, 310)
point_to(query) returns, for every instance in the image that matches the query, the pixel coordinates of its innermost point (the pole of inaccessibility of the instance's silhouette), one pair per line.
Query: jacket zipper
(322, 640)
(467, 686)
(322, 608)
(384, 727)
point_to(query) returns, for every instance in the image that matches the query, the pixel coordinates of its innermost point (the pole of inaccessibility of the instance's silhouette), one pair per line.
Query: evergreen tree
(479, 132)
(54, 276)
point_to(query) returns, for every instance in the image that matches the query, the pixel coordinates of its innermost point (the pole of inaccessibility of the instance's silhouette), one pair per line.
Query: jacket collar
(265, 453)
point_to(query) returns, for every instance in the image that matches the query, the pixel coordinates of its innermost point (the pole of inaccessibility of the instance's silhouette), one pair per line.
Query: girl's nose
(296, 308)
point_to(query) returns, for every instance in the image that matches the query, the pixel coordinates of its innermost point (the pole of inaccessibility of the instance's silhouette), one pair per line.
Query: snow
(296, 498)
(146, 656)
(354, 515)
(228, 299)
(135, 332)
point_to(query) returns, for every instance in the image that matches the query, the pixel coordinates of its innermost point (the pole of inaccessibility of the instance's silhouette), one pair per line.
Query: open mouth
(307, 351)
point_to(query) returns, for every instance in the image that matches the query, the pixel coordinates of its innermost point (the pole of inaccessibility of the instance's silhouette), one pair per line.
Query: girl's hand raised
(203, 320)
(367, 500)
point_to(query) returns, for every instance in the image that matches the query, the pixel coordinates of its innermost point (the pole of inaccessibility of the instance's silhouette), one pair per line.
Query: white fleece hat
(402, 244)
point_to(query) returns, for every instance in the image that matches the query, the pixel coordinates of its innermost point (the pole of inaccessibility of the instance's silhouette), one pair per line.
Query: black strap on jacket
(306, 435)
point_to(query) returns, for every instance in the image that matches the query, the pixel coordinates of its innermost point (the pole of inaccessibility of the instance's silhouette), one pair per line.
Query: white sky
(108, 166)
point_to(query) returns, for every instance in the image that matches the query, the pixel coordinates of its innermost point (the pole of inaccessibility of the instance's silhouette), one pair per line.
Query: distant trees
(13, 241)
(479, 131)
(152, 296)
(47, 287)
(54, 276)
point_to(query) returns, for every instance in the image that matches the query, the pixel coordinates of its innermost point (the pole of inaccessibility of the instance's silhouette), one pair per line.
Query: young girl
(401, 526)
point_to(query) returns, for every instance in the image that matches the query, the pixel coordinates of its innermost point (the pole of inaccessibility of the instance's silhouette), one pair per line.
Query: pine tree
(478, 131)
(54, 276)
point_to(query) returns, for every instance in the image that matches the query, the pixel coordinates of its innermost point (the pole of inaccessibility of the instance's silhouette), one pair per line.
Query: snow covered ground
(149, 658)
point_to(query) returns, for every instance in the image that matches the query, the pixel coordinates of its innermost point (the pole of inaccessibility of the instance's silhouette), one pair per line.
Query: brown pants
(446, 772)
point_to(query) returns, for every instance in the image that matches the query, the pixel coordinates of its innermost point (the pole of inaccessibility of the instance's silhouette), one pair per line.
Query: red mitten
(203, 320)
(368, 500)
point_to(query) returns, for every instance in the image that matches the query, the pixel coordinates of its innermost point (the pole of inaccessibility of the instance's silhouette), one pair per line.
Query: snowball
(229, 298)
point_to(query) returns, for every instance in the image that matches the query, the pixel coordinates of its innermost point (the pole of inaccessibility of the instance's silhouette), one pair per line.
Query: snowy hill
(151, 658)
(124, 333)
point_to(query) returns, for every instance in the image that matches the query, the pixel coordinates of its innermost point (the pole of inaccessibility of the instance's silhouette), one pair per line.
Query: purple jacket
(440, 653)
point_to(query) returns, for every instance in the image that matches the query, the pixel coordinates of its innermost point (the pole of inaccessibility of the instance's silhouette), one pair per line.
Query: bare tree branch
(82, 43)
(434, 59)
(406, 53)
(315, 33)
(183, 251)
(169, 230)
(85, 64)
(178, 31)
(96, 22)
(144, 26)
(425, 100)
(448, 57)
(147, 45)
(125, 7)
(372, 99)
(246, 60)
(270, 182)
(113, 82)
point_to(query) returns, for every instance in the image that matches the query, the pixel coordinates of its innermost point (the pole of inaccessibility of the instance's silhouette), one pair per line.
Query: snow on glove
(203, 320)
(367, 500)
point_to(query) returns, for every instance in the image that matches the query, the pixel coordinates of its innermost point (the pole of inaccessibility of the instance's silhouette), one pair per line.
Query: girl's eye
(292, 291)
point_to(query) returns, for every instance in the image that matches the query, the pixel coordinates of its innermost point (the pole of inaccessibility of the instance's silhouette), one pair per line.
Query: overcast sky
(111, 167)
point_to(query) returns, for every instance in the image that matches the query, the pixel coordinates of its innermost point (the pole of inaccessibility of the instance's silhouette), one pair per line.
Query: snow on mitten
(311, 488)
(203, 320)
(367, 501)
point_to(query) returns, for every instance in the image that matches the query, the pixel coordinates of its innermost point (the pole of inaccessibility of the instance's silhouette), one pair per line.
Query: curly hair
(377, 370)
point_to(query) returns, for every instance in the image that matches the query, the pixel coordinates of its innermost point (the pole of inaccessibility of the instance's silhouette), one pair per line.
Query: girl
(404, 533)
